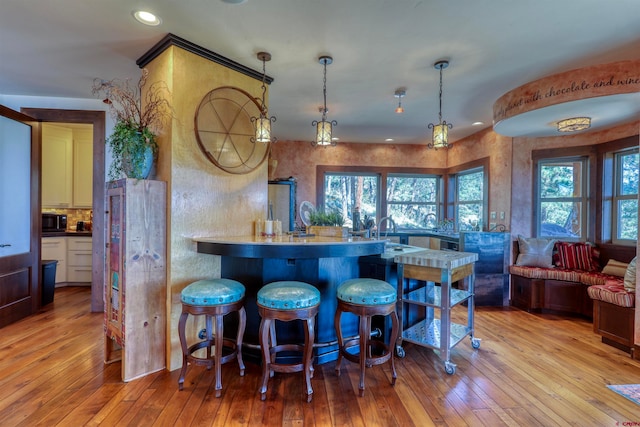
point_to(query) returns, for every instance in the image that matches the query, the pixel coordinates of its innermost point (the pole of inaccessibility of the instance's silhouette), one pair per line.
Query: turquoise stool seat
(366, 298)
(212, 292)
(213, 298)
(288, 295)
(287, 301)
(367, 292)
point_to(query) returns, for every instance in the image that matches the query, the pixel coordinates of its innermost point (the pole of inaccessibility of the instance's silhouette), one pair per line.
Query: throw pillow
(534, 252)
(630, 276)
(575, 256)
(615, 268)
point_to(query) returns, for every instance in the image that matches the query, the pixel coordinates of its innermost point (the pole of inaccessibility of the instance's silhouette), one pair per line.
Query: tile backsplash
(73, 215)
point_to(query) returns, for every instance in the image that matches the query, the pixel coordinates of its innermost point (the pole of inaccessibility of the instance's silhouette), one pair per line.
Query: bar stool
(287, 301)
(213, 298)
(366, 298)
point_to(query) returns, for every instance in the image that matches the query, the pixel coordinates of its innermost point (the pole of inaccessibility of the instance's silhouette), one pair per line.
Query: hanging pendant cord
(264, 88)
(324, 91)
(440, 112)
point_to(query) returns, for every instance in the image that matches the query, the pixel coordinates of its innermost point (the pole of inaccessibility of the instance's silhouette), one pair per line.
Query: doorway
(97, 119)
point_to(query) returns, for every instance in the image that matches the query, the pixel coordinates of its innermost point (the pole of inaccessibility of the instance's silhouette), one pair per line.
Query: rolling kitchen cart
(435, 271)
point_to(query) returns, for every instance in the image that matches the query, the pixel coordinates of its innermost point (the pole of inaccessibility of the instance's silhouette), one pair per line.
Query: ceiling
(57, 48)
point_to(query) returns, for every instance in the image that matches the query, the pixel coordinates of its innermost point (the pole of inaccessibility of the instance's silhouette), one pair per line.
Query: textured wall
(203, 199)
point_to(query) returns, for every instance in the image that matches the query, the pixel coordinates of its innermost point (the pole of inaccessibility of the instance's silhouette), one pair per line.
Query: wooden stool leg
(392, 342)
(183, 343)
(265, 327)
(219, 342)
(363, 351)
(336, 322)
(308, 355)
(242, 324)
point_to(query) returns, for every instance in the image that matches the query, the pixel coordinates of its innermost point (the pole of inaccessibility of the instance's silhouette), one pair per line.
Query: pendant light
(399, 94)
(262, 124)
(440, 135)
(323, 127)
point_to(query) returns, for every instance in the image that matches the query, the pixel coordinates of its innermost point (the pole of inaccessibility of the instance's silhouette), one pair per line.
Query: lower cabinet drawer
(79, 258)
(78, 274)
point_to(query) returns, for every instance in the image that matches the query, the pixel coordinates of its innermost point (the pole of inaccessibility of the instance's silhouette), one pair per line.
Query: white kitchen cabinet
(57, 144)
(79, 259)
(67, 166)
(83, 168)
(55, 248)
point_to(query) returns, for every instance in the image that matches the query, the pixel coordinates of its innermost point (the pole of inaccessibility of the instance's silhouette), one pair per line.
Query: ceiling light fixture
(399, 94)
(440, 135)
(574, 124)
(324, 127)
(146, 18)
(263, 123)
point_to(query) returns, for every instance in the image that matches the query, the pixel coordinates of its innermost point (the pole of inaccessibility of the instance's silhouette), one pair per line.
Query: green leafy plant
(138, 123)
(326, 218)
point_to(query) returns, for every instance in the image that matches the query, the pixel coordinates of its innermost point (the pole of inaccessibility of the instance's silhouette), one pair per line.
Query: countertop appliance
(53, 222)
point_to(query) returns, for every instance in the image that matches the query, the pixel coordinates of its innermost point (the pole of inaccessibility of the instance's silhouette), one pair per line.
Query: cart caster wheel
(475, 343)
(399, 352)
(449, 368)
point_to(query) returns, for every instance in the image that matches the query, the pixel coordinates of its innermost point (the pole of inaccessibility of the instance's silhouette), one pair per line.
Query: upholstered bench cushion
(212, 292)
(546, 273)
(288, 295)
(612, 292)
(367, 292)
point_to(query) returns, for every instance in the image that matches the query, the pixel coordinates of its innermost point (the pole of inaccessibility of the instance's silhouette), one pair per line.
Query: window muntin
(412, 200)
(625, 200)
(344, 191)
(562, 201)
(469, 203)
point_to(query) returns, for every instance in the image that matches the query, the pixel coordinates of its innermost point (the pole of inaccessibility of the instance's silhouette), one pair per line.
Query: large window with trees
(562, 197)
(469, 202)
(345, 192)
(412, 200)
(625, 196)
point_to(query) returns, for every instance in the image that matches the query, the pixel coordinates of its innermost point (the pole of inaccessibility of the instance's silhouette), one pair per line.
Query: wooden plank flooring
(530, 370)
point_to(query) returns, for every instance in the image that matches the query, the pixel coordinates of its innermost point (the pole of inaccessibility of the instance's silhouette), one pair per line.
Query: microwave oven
(53, 222)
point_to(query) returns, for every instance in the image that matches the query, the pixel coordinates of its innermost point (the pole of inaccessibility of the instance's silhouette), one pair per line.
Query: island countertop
(289, 246)
(437, 259)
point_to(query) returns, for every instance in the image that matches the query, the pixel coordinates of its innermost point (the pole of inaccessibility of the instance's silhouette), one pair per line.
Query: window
(469, 199)
(345, 191)
(412, 200)
(625, 199)
(562, 197)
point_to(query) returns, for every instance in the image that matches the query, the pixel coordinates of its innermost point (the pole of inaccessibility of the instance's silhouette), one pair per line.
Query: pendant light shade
(440, 133)
(262, 124)
(324, 128)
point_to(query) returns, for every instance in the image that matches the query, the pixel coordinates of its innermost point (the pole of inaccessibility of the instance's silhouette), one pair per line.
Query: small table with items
(434, 272)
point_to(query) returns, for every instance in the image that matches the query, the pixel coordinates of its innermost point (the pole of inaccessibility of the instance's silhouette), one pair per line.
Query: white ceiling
(56, 48)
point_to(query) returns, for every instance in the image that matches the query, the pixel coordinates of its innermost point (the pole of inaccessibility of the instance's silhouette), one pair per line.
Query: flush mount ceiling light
(146, 18)
(324, 127)
(574, 124)
(440, 135)
(263, 123)
(399, 94)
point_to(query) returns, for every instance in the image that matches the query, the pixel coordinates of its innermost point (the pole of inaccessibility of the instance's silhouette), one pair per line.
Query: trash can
(48, 280)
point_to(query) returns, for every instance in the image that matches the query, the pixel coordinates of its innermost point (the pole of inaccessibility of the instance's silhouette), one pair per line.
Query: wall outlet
(501, 215)
(493, 214)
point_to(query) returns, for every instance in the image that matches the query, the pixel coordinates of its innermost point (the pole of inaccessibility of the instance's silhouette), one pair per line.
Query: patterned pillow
(615, 268)
(535, 252)
(630, 276)
(576, 256)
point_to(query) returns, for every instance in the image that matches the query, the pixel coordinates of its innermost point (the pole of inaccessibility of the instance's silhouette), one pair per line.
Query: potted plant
(329, 224)
(137, 124)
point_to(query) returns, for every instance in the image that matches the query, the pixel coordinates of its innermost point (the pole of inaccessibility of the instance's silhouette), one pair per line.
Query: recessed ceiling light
(389, 140)
(477, 123)
(146, 18)
(234, 1)
(335, 139)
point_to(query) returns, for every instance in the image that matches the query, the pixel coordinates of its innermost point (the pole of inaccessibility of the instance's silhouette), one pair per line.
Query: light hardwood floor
(530, 370)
